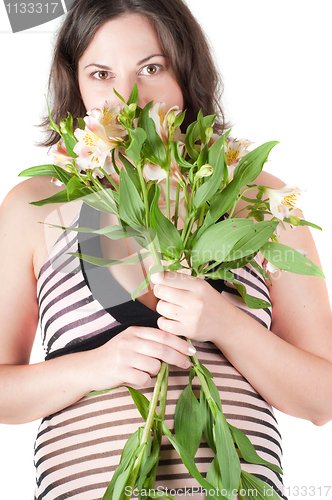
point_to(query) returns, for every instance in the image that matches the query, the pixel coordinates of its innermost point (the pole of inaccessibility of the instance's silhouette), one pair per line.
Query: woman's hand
(189, 306)
(133, 356)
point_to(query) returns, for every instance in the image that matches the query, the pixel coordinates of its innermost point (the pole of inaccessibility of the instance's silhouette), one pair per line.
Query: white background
(275, 57)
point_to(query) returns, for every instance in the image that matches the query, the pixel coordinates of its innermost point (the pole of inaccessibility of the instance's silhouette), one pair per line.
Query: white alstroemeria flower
(93, 152)
(159, 115)
(104, 121)
(235, 150)
(282, 201)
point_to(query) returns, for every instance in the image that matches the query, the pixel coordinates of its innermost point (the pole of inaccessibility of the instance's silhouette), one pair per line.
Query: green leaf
(187, 421)
(248, 452)
(170, 241)
(119, 96)
(134, 97)
(131, 171)
(213, 183)
(126, 461)
(154, 149)
(99, 261)
(137, 138)
(194, 131)
(151, 461)
(223, 201)
(74, 187)
(141, 402)
(228, 460)
(253, 240)
(250, 300)
(179, 119)
(188, 461)
(154, 269)
(251, 165)
(203, 157)
(53, 125)
(47, 171)
(174, 146)
(67, 134)
(216, 148)
(207, 422)
(256, 488)
(111, 232)
(216, 243)
(289, 259)
(190, 142)
(131, 207)
(303, 222)
(60, 197)
(231, 264)
(213, 475)
(80, 123)
(121, 482)
(105, 200)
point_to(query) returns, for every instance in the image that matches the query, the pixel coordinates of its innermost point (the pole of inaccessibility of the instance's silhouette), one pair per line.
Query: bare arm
(29, 392)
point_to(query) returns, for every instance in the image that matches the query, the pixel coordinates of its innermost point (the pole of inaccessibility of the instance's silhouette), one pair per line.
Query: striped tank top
(78, 448)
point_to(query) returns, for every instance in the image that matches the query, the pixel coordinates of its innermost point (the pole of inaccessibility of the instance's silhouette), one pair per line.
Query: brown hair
(181, 37)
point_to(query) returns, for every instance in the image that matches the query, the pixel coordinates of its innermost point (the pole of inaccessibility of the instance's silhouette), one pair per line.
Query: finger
(166, 338)
(170, 311)
(162, 352)
(172, 295)
(172, 327)
(147, 364)
(176, 280)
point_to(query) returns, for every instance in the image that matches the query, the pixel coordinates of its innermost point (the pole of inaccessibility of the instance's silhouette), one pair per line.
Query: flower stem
(168, 196)
(202, 379)
(147, 426)
(161, 415)
(144, 192)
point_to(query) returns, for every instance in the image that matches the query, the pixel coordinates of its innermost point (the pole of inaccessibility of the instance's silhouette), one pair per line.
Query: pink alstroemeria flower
(283, 200)
(235, 150)
(100, 136)
(60, 155)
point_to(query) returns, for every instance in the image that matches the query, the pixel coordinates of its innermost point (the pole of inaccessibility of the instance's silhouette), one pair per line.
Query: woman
(248, 345)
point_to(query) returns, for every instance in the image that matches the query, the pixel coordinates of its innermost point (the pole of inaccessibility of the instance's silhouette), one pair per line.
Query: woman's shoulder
(28, 191)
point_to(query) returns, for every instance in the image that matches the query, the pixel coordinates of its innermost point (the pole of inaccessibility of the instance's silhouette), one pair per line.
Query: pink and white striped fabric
(78, 449)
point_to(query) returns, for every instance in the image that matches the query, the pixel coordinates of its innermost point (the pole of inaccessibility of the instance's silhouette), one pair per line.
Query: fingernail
(188, 363)
(191, 350)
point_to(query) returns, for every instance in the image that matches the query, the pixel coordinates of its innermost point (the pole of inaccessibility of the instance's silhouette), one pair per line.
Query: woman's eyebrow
(101, 66)
(149, 57)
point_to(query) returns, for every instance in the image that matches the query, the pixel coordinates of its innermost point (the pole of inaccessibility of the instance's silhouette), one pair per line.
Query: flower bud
(208, 133)
(204, 171)
(171, 118)
(132, 107)
(295, 221)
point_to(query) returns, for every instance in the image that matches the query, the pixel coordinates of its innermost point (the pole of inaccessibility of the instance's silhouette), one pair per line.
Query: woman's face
(124, 51)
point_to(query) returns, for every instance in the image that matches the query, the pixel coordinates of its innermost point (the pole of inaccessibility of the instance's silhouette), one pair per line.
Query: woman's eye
(101, 75)
(151, 69)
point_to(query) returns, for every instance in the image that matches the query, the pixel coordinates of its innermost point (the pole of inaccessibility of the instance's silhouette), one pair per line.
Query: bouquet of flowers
(199, 177)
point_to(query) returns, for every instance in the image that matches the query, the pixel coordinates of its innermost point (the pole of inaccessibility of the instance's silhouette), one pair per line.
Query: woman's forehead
(130, 34)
